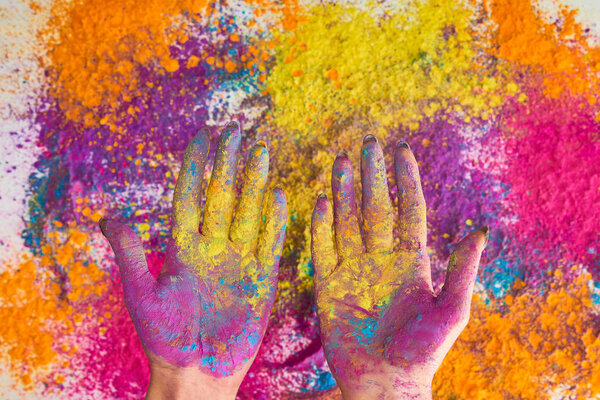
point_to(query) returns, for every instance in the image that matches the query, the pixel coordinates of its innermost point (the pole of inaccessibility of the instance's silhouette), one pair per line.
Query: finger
(412, 226)
(188, 190)
(219, 196)
(322, 245)
(246, 220)
(272, 235)
(129, 254)
(462, 269)
(377, 209)
(347, 232)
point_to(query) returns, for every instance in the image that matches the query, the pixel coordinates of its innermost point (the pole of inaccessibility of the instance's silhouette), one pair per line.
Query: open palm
(383, 329)
(210, 305)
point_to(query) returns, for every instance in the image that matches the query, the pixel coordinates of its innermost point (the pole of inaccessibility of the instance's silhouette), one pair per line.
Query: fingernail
(369, 138)
(102, 224)
(278, 190)
(202, 135)
(403, 144)
(203, 131)
(342, 154)
(486, 232)
(232, 127)
(261, 143)
(322, 196)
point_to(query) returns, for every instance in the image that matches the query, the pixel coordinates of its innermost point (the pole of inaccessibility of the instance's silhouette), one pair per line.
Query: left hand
(202, 321)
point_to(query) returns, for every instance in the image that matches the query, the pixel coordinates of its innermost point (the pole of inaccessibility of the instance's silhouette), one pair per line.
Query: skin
(202, 320)
(384, 330)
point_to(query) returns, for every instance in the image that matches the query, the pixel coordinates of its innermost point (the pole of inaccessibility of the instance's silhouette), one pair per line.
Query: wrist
(387, 387)
(190, 383)
(401, 391)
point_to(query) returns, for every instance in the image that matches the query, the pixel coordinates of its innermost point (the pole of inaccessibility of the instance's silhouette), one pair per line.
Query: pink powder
(553, 167)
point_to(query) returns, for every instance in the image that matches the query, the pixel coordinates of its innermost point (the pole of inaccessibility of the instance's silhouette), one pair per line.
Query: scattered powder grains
(110, 350)
(26, 309)
(343, 62)
(558, 51)
(43, 299)
(553, 167)
(96, 50)
(527, 346)
(497, 101)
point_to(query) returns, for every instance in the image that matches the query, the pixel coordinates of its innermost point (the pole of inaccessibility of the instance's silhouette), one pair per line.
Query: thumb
(462, 269)
(130, 257)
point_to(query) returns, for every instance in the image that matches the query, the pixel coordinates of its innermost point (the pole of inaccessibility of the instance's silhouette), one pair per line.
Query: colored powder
(527, 346)
(290, 362)
(553, 169)
(164, 117)
(123, 97)
(94, 64)
(29, 308)
(45, 298)
(343, 63)
(110, 353)
(559, 50)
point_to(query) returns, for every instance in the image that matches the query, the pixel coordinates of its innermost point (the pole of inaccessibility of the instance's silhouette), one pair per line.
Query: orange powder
(37, 312)
(289, 11)
(26, 306)
(527, 347)
(95, 47)
(562, 55)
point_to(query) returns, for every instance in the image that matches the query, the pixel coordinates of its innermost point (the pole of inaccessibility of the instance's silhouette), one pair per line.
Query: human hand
(384, 330)
(202, 321)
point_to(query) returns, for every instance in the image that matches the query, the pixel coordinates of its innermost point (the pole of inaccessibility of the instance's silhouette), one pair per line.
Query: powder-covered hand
(384, 330)
(202, 321)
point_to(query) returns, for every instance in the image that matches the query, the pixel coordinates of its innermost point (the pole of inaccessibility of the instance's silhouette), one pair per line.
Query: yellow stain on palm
(359, 281)
(538, 345)
(304, 170)
(206, 256)
(343, 62)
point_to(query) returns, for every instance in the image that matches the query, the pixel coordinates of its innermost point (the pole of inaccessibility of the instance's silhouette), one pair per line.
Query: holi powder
(498, 101)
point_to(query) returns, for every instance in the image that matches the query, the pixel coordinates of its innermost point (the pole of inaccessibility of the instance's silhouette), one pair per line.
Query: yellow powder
(343, 62)
(343, 73)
